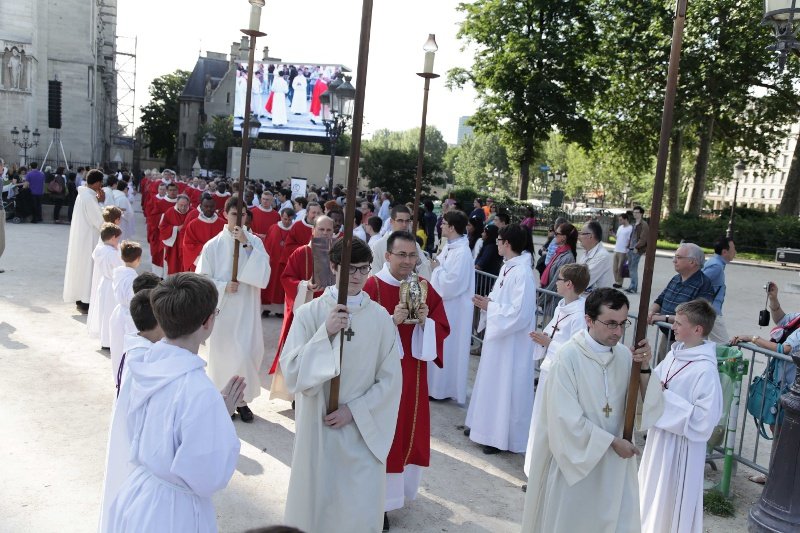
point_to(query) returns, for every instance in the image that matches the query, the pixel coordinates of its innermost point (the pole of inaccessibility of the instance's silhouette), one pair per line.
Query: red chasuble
(157, 207)
(220, 200)
(412, 438)
(299, 235)
(263, 220)
(195, 235)
(300, 267)
(194, 196)
(191, 215)
(170, 240)
(273, 244)
(316, 106)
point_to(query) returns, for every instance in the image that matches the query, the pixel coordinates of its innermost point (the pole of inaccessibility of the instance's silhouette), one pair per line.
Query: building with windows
(464, 130)
(759, 188)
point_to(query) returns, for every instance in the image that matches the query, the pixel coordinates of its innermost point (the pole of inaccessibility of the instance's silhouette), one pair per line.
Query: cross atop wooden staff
(252, 31)
(655, 211)
(352, 183)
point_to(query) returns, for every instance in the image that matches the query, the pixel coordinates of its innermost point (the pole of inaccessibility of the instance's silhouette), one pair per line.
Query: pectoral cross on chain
(349, 333)
(607, 410)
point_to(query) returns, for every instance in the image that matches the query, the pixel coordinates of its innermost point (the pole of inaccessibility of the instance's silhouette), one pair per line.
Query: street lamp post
(337, 110)
(738, 172)
(209, 142)
(778, 509)
(430, 47)
(25, 142)
(253, 32)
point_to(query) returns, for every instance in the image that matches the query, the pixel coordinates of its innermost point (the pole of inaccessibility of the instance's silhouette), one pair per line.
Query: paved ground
(57, 391)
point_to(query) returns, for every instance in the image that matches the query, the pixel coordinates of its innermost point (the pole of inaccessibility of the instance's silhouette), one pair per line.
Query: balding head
(323, 226)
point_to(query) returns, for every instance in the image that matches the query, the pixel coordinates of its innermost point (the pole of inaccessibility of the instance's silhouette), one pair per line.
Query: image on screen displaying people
(285, 96)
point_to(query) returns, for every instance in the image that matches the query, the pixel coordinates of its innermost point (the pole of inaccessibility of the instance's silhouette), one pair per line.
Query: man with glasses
(420, 342)
(595, 256)
(338, 477)
(399, 220)
(688, 284)
(578, 450)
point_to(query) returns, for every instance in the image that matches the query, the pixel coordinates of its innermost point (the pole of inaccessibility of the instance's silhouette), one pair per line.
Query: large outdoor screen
(285, 97)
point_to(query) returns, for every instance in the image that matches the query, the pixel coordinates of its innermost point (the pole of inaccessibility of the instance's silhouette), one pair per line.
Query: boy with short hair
(156, 480)
(106, 258)
(681, 408)
(120, 322)
(112, 214)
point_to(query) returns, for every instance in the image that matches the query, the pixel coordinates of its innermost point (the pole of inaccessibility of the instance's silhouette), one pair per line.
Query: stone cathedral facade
(72, 41)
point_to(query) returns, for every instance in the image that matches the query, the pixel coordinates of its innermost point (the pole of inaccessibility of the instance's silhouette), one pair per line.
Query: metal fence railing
(741, 439)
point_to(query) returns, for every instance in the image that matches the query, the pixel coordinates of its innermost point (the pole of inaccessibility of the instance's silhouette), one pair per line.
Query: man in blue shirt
(688, 284)
(35, 179)
(714, 269)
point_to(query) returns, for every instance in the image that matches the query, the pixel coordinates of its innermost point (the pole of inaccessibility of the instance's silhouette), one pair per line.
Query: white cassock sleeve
(576, 443)
(208, 264)
(506, 316)
(695, 419)
(423, 341)
(309, 358)
(451, 277)
(209, 448)
(255, 270)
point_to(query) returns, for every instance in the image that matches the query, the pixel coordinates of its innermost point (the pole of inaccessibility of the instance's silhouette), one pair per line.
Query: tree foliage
(480, 162)
(160, 116)
(531, 71)
(395, 170)
(408, 141)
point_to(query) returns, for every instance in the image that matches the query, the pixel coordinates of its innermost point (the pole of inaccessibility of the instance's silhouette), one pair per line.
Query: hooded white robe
(338, 475)
(236, 345)
(500, 408)
(84, 232)
(121, 323)
(279, 89)
(577, 482)
(568, 319)
(172, 446)
(106, 258)
(299, 100)
(671, 471)
(128, 223)
(454, 280)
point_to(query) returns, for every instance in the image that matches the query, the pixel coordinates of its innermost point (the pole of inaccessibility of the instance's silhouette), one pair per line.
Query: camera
(763, 315)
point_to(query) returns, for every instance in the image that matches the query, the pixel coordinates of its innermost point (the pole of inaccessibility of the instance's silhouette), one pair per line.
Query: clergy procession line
(172, 442)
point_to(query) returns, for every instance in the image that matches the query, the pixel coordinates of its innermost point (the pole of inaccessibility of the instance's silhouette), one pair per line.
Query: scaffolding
(125, 101)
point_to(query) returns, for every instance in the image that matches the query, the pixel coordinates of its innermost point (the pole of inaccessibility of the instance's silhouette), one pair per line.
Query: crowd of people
(551, 388)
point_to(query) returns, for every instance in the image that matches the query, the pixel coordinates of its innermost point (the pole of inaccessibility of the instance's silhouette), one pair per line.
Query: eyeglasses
(363, 270)
(677, 257)
(560, 279)
(615, 325)
(499, 240)
(404, 256)
(584, 233)
(402, 220)
(559, 233)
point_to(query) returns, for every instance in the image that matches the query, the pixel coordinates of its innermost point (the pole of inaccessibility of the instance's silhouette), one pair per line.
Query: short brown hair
(578, 274)
(457, 219)
(145, 280)
(359, 253)
(109, 230)
(699, 313)
(183, 302)
(231, 202)
(130, 251)
(142, 311)
(112, 213)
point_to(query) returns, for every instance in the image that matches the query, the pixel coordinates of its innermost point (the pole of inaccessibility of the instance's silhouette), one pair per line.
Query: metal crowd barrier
(750, 450)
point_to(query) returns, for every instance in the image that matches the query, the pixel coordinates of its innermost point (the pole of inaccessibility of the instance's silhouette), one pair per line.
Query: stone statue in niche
(16, 65)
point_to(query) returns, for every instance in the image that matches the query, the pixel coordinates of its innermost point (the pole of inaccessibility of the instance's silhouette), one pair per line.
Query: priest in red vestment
(221, 196)
(316, 106)
(199, 231)
(297, 283)
(170, 233)
(157, 206)
(421, 343)
(301, 231)
(264, 216)
(273, 244)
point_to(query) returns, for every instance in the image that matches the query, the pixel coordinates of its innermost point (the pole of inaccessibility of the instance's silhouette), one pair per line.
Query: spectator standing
(477, 211)
(58, 190)
(637, 247)
(688, 284)
(35, 179)
(621, 248)
(595, 256)
(429, 222)
(714, 269)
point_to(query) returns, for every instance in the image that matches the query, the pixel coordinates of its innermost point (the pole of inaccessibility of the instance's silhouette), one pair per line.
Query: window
(783, 176)
(763, 193)
(183, 140)
(227, 98)
(771, 192)
(744, 193)
(746, 176)
(772, 179)
(780, 193)
(785, 160)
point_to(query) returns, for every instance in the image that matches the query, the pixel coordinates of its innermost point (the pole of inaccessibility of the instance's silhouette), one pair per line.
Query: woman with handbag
(784, 338)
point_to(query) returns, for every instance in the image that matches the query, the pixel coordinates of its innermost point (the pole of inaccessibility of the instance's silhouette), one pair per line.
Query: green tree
(395, 171)
(481, 162)
(160, 116)
(531, 72)
(408, 140)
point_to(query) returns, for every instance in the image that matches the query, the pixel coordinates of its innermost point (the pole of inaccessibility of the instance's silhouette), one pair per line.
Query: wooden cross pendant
(607, 410)
(349, 333)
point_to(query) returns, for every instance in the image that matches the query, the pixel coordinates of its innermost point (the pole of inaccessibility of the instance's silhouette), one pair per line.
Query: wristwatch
(753, 339)
(666, 319)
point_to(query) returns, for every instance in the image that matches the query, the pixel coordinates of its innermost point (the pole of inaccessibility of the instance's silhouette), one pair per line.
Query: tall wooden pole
(655, 210)
(352, 181)
(421, 154)
(245, 143)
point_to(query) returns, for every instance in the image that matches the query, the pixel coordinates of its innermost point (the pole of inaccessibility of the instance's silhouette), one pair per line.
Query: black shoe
(245, 413)
(385, 522)
(278, 315)
(466, 432)
(491, 450)
(617, 285)
(525, 488)
(265, 313)
(292, 405)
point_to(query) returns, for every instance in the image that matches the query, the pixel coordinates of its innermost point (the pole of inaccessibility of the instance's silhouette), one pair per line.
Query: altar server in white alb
(568, 319)
(453, 278)
(106, 258)
(500, 408)
(583, 473)
(120, 323)
(177, 445)
(338, 478)
(236, 347)
(682, 406)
